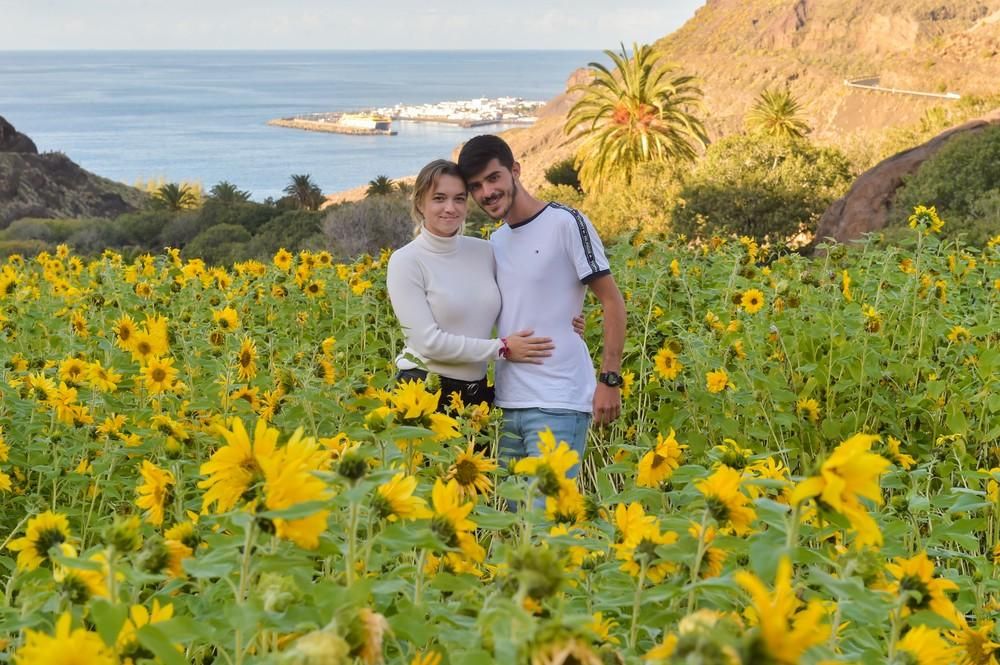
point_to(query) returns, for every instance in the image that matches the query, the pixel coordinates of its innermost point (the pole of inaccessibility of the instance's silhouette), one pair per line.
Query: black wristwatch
(613, 379)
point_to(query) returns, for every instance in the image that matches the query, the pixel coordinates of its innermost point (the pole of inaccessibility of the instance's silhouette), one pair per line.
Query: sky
(336, 24)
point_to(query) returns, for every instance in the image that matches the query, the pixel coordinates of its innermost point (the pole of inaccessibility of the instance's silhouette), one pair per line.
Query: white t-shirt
(543, 267)
(445, 295)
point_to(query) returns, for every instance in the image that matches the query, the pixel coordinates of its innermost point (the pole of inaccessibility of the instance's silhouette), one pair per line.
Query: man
(547, 256)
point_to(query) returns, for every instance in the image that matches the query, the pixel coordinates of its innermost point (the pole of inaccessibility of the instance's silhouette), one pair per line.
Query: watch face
(612, 379)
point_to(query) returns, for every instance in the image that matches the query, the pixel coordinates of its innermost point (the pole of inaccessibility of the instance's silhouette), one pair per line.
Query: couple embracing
(450, 291)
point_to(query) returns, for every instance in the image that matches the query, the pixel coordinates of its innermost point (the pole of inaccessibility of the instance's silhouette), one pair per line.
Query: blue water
(199, 115)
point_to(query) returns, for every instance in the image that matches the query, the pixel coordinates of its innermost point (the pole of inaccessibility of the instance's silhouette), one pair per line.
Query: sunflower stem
(244, 580)
(352, 537)
(697, 560)
(633, 632)
(419, 582)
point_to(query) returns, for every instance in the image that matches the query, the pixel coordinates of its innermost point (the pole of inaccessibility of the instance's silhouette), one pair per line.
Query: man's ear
(515, 169)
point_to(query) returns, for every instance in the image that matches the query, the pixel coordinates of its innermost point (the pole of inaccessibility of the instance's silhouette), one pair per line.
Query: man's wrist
(611, 379)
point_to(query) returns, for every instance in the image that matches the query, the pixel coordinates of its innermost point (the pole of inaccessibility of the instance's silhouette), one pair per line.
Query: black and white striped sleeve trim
(588, 244)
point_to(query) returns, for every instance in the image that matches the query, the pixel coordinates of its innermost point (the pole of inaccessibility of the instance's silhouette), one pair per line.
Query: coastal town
(379, 121)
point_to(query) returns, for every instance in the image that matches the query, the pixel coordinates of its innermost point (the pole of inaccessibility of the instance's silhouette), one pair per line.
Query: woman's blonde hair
(426, 179)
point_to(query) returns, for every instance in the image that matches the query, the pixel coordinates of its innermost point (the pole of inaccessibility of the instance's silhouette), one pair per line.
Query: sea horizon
(198, 115)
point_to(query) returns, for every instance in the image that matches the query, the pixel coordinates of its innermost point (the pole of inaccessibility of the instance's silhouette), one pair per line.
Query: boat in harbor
(365, 124)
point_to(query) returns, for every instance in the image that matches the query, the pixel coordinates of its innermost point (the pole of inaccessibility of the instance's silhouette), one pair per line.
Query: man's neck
(525, 207)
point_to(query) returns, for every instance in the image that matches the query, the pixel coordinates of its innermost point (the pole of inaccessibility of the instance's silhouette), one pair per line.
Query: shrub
(644, 205)
(23, 247)
(368, 225)
(564, 173)
(293, 230)
(765, 188)
(220, 244)
(961, 180)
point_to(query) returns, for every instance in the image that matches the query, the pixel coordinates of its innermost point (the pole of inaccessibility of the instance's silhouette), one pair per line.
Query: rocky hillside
(51, 185)
(740, 47)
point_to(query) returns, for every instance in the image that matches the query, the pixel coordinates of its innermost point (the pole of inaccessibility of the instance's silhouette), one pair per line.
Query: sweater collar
(438, 244)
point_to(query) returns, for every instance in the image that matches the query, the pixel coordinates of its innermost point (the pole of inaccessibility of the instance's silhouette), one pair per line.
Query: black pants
(471, 392)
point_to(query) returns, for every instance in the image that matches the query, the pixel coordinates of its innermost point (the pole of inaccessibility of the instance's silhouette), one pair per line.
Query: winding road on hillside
(872, 83)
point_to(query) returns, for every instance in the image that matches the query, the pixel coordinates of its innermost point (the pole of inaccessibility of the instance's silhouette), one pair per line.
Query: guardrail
(872, 83)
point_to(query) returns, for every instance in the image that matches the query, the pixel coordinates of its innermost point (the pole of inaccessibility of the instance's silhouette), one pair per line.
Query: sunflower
(752, 301)
(714, 557)
(102, 378)
(246, 360)
(144, 346)
(394, 499)
(717, 381)
(916, 575)
(666, 364)
(160, 375)
(226, 319)
(283, 259)
(66, 646)
(724, 500)
(234, 470)
(925, 220)
(657, 465)
(249, 395)
(552, 464)
(42, 534)
(412, 401)
(786, 628)
(81, 584)
(72, 371)
(976, 644)
(125, 330)
(127, 643)
(426, 658)
(469, 470)
(290, 480)
(315, 288)
(451, 520)
(848, 475)
(898, 457)
(154, 492)
(925, 646)
(808, 408)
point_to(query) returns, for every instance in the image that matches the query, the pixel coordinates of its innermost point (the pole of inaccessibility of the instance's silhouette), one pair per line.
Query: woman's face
(445, 205)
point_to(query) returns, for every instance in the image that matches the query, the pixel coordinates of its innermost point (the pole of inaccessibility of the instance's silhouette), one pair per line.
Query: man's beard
(506, 211)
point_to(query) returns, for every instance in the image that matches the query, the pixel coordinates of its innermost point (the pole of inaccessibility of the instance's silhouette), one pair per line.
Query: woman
(444, 293)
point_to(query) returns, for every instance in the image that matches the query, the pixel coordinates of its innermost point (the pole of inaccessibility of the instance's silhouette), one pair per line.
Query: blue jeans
(519, 435)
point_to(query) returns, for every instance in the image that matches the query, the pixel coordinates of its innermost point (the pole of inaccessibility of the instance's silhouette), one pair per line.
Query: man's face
(495, 188)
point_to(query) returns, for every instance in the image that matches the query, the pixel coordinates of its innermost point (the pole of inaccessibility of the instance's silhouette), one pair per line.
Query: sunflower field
(207, 465)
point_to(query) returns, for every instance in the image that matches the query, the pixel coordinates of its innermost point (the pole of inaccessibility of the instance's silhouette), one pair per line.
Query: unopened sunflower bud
(433, 382)
(155, 556)
(124, 534)
(277, 592)
(320, 647)
(353, 466)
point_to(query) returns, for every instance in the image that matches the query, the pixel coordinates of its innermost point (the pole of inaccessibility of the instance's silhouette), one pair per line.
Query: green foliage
(304, 193)
(380, 186)
(227, 193)
(644, 205)
(220, 244)
(22, 247)
(293, 230)
(778, 114)
(564, 173)
(634, 114)
(962, 180)
(368, 225)
(175, 197)
(765, 188)
(564, 194)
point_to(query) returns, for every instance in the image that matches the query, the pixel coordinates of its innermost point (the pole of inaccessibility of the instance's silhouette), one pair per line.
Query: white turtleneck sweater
(445, 295)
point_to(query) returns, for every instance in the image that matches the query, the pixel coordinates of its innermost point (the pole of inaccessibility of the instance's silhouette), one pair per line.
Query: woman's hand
(579, 325)
(527, 349)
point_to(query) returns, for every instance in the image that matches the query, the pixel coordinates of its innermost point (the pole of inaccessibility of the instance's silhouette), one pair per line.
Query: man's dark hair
(478, 152)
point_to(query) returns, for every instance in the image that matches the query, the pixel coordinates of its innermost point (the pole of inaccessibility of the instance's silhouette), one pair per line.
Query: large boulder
(866, 205)
(12, 140)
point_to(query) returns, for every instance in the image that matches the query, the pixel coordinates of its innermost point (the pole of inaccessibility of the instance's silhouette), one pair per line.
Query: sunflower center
(466, 472)
(919, 587)
(718, 509)
(658, 461)
(445, 530)
(47, 539)
(144, 348)
(245, 358)
(158, 374)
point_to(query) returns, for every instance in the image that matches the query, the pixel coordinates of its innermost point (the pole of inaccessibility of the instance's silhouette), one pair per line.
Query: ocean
(198, 116)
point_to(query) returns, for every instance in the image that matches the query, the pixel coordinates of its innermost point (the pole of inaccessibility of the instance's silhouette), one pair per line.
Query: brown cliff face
(866, 205)
(51, 185)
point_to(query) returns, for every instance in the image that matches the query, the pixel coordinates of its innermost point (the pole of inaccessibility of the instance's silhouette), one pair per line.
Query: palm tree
(174, 197)
(227, 193)
(638, 112)
(380, 186)
(306, 193)
(778, 114)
